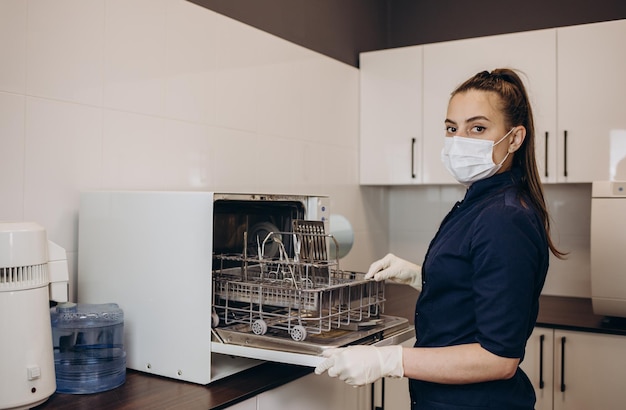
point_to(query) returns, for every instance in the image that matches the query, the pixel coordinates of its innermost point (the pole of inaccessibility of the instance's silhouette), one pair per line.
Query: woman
(484, 270)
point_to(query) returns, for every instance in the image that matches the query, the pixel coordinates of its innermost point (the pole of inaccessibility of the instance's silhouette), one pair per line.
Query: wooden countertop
(570, 313)
(144, 391)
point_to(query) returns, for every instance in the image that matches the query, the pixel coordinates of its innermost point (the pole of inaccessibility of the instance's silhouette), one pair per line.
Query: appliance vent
(23, 277)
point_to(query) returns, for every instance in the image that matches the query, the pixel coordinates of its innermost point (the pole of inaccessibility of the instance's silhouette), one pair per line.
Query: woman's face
(475, 114)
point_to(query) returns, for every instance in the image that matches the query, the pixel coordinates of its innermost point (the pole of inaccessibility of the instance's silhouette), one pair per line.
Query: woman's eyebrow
(471, 119)
(478, 117)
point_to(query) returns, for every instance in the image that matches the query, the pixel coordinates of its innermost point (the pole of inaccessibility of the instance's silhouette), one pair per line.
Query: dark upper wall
(341, 29)
(336, 28)
(429, 21)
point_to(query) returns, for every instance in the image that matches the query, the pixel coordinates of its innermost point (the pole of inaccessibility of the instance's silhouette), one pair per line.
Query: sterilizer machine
(211, 283)
(608, 246)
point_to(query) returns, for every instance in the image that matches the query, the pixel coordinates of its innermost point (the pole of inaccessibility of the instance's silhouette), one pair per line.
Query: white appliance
(608, 248)
(33, 271)
(166, 259)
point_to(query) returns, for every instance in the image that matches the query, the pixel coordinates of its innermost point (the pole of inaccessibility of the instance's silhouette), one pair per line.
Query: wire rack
(303, 294)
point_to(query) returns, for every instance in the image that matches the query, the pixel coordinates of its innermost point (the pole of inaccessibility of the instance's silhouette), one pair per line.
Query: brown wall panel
(429, 21)
(341, 29)
(336, 28)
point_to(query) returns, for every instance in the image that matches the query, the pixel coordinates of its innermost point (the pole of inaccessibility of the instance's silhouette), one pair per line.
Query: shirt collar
(492, 184)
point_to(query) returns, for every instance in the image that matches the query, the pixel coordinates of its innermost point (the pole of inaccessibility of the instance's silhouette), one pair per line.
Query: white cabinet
(391, 116)
(405, 92)
(538, 364)
(448, 64)
(589, 371)
(576, 84)
(313, 392)
(591, 110)
(249, 404)
(581, 370)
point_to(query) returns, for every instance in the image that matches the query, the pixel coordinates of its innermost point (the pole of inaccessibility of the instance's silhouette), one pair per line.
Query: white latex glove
(359, 365)
(397, 270)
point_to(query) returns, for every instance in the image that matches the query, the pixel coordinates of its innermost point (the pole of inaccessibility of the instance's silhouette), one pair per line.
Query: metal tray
(387, 329)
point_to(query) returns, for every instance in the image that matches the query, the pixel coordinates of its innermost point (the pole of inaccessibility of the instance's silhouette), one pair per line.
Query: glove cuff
(390, 358)
(416, 281)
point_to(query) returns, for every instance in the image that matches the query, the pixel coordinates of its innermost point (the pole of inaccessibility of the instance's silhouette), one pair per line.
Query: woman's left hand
(359, 365)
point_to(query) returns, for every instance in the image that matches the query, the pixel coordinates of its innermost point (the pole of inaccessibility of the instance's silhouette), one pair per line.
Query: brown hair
(515, 105)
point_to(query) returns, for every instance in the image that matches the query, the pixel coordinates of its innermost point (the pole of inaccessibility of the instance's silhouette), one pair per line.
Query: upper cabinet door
(448, 64)
(391, 116)
(591, 109)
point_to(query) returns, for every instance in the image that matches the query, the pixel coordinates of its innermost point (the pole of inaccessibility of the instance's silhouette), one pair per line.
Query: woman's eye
(451, 130)
(478, 129)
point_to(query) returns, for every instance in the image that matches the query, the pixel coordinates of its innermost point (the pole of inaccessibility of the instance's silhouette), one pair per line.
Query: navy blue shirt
(482, 277)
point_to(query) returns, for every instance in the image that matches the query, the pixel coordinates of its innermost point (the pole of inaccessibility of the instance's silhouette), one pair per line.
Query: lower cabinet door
(589, 371)
(313, 392)
(538, 365)
(249, 404)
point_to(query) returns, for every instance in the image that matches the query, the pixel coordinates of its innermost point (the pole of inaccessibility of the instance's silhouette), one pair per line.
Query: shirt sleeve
(508, 251)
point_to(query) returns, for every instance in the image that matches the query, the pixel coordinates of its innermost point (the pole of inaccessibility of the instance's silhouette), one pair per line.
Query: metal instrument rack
(302, 295)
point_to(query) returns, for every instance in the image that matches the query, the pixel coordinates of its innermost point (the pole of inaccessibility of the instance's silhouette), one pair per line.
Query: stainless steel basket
(303, 294)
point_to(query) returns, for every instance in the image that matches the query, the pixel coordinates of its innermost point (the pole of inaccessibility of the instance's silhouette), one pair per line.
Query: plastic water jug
(88, 341)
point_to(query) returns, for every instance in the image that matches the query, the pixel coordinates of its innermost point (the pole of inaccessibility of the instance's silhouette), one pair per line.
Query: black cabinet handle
(546, 154)
(382, 396)
(565, 153)
(413, 158)
(563, 364)
(541, 339)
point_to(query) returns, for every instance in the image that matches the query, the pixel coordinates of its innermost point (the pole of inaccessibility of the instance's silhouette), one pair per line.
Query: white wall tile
(146, 152)
(13, 17)
(331, 104)
(237, 78)
(309, 169)
(164, 94)
(572, 276)
(191, 62)
(415, 208)
(62, 157)
(236, 96)
(238, 164)
(12, 114)
(281, 169)
(340, 166)
(65, 56)
(570, 208)
(280, 99)
(274, 50)
(134, 56)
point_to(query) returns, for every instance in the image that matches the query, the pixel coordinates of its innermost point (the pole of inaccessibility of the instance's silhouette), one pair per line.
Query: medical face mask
(470, 159)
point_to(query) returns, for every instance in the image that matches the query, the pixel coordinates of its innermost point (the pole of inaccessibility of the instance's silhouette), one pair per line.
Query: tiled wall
(164, 94)
(415, 214)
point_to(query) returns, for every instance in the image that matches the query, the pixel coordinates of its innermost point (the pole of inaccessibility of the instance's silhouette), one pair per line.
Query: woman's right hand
(397, 270)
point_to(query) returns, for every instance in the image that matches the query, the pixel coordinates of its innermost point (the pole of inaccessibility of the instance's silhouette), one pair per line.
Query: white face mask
(470, 159)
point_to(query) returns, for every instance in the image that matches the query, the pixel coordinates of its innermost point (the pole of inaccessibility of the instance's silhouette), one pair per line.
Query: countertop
(570, 313)
(144, 391)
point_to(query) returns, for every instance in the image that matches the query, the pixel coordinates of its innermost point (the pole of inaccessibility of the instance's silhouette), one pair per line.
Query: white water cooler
(33, 271)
